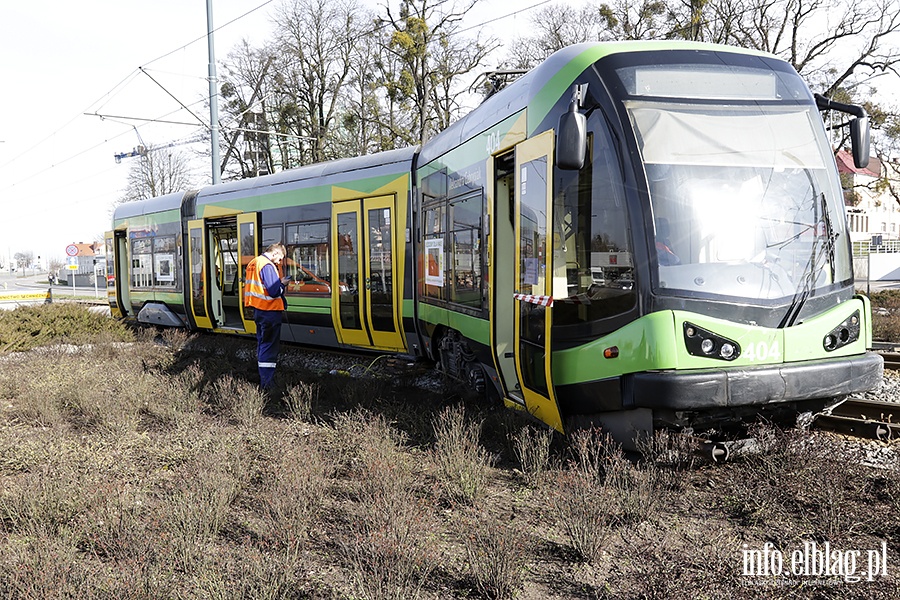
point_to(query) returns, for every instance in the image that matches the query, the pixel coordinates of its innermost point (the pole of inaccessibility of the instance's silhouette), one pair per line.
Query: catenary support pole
(213, 96)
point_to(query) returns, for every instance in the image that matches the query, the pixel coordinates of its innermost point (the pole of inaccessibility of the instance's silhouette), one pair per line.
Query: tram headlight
(845, 333)
(702, 342)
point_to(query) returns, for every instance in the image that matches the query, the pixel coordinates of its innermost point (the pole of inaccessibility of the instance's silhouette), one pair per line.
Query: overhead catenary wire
(104, 99)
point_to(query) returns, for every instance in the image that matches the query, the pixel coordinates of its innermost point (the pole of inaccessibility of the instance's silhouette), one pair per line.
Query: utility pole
(213, 96)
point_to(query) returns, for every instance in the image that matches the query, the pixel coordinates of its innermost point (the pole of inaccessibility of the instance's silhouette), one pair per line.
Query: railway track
(873, 419)
(891, 360)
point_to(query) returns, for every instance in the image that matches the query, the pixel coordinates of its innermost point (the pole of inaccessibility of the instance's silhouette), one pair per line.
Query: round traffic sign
(72, 250)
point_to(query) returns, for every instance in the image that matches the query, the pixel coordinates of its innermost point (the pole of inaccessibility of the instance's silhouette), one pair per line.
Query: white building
(871, 209)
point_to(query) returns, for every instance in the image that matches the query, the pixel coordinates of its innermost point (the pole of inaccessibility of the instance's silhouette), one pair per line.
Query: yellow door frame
(366, 336)
(247, 230)
(542, 405)
(200, 271)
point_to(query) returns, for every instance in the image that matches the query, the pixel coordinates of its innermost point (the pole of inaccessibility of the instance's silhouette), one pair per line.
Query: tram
(633, 234)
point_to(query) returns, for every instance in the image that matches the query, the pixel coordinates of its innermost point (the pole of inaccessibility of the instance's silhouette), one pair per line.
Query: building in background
(873, 216)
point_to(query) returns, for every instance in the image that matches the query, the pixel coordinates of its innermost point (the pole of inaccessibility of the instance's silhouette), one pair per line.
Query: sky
(63, 63)
(127, 60)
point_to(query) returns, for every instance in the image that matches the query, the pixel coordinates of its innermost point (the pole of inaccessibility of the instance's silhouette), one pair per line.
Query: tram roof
(326, 173)
(151, 205)
(541, 88)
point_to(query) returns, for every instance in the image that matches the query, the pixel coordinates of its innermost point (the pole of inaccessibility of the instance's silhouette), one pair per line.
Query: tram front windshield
(743, 190)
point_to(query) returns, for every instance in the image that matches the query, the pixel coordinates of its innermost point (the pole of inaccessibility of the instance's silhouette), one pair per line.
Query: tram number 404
(761, 351)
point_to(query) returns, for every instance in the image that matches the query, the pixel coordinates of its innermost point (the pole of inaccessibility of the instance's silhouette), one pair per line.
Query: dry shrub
(886, 327)
(363, 438)
(176, 339)
(497, 553)
(799, 483)
(240, 401)
(668, 449)
(300, 400)
(47, 500)
(603, 490)
(389, 548)
(462, 462)
(252, 575)
(194, 512)
(294, 492)
(532, 447)
(115, 526)
(42, 566)
(579, 501)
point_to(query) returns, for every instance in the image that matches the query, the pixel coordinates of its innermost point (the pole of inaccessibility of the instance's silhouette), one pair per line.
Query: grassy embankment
(142, 465)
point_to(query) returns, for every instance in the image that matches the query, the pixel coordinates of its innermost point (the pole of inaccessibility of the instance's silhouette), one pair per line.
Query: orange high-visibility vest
(255, 293)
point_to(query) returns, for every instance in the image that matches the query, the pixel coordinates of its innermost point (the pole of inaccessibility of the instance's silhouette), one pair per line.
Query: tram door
(364, 298)
(219, 250)
(521, 307)
(117, 281)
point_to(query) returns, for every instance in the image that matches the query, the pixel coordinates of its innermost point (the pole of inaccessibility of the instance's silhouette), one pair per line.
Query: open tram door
(365, 299)
(219, 250)
(117, 282)
(522, 298)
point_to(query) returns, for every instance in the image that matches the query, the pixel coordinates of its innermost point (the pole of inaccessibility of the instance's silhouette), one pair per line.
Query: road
(38, 282)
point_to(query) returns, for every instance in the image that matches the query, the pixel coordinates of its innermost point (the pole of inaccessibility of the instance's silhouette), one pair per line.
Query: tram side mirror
(859, 139)
(571, 139)
(859, 127)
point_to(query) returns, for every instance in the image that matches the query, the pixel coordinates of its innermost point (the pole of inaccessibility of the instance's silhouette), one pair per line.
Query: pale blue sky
(58, 176)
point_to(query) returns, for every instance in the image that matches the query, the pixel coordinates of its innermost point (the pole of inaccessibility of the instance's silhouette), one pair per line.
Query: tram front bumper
(785, 382)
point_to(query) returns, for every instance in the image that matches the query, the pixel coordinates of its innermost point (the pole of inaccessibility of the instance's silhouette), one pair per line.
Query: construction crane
(142, 150)
(138, 151)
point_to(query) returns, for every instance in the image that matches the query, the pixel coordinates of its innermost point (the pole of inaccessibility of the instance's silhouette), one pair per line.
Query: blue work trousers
(268, 340)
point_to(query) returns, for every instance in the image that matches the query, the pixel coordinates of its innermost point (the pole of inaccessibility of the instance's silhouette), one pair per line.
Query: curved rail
(891, 360)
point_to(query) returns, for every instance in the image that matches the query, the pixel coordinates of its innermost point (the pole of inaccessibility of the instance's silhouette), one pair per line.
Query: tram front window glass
(744, 198)
(593, 267)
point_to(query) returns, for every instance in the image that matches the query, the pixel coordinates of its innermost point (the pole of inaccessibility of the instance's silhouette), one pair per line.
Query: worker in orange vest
(264, 291)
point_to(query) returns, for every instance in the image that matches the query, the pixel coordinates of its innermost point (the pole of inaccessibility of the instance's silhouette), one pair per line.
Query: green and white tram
(632, 234)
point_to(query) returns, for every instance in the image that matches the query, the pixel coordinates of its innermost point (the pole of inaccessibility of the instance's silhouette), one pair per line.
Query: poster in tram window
(165, 267)
(434, 262)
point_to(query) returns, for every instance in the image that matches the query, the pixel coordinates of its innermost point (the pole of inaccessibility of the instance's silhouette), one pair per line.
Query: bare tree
(157, 172)
(245, 89)
(425, 40)
(23, 259)
(560, 25)
(317, 41)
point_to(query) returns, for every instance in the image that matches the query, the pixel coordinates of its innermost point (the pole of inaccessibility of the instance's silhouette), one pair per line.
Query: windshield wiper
(801, 295)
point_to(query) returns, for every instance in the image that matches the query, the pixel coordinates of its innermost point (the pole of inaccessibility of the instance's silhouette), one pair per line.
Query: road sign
(72, 250)
(72, 267)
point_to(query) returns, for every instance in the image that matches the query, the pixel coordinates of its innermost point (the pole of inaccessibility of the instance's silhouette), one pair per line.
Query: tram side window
(591, 221)
(153, 262)
(434, 233)
(271, 234)
(142, 263)
(308, 260)
(466, 250)
(164, 263)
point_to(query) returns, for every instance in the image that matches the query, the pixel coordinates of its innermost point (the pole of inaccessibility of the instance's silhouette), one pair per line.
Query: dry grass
(155, 470)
